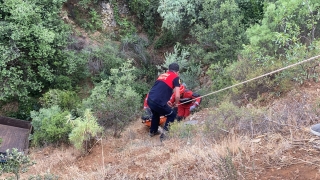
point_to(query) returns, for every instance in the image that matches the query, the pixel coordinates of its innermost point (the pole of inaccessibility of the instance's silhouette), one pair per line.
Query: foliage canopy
(32, 39)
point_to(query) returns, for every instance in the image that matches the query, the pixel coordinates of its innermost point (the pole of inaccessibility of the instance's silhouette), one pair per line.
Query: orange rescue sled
(148, 121)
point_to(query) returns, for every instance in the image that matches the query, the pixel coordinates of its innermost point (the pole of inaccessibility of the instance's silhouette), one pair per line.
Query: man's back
(161, 91)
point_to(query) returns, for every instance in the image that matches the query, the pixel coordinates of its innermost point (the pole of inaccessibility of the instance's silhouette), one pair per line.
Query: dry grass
(270, 142)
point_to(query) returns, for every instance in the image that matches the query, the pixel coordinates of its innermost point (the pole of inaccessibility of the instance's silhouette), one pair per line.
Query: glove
(193, 107)
(170, 104)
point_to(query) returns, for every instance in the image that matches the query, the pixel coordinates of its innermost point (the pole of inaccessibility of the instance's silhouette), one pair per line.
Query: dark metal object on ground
(14, 134)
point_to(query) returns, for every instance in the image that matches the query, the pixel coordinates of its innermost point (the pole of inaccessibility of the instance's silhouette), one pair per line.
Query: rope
(272, 72)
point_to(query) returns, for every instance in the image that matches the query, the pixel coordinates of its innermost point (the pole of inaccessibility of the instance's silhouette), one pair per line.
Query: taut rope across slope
(272, 72)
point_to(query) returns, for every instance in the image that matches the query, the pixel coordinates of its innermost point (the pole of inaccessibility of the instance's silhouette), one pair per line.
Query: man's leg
(158, 110)
(170, 118)
(171, 115)
(154, 121)
(186, 111)
(180, 113)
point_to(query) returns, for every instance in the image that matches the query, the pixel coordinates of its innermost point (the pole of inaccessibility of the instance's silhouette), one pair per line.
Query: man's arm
(145, 102)
(197, 98)
(172, 100)
(176, 91)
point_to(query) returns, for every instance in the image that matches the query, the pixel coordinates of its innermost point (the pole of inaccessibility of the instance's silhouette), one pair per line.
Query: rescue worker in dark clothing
(159, 96)
(188, 101)
(147, 111)
(147, 115)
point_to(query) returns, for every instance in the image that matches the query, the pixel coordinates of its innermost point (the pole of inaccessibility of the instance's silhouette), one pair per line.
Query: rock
(107, 16)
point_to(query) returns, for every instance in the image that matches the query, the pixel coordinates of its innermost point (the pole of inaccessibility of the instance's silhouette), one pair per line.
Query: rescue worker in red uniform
(159, 96)
(188, 102)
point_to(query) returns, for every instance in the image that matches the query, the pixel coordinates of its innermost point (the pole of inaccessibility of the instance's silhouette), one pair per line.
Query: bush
(63, 82)
(229, 118)
(66, 100)
(32, 46)
(101, 59)
(85, 130)
(165, 40)
(220, 75)
(25, 106)
(139, 7)
(222, 34)
(179, 55)
(191, 76)
(15, 162)
(146, 11)
(50, 126)
(113, 101)
(135, 47)
(127, 28)
(182, 130)
(145, 79)
(86, 15)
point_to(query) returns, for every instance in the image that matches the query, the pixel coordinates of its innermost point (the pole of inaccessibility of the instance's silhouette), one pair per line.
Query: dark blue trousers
(157, 111)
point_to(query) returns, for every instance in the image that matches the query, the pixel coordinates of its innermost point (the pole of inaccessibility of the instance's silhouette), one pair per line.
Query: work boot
(151, 134)
(163, 135)
(180, 118)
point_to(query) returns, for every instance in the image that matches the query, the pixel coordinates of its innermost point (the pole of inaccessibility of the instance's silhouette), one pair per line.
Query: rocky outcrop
(107, 16)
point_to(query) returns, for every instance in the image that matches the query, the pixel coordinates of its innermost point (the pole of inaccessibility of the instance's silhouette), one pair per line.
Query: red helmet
(182, 88)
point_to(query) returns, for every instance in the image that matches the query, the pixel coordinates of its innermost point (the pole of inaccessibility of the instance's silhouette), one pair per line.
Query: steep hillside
(290, 153)
(268, 138)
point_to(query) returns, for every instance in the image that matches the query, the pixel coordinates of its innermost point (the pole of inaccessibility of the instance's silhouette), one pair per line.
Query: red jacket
(188, 98)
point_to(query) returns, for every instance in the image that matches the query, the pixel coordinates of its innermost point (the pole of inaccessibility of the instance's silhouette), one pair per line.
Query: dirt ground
(293, 154)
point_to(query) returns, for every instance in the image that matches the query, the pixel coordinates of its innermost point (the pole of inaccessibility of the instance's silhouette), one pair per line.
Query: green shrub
(25, 106)
(15, 162)
(228, 118)
(50, 126)
(255, 63)
(63, 82)
(191, 75)
(219, 76)
(179, 55)
(179, 15)
(222, 34)
(145, 77)
(87, 3)
(135, 47)
(85, 14)
(139, 7)
(66, 100)
(85, 129)
(101, 59)
(33, 37)
(165, 40)
(151, 16)
(113, 101)
(252, 11)
(146, 11)
(127, 28)
(95, 18)
(182, 130)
